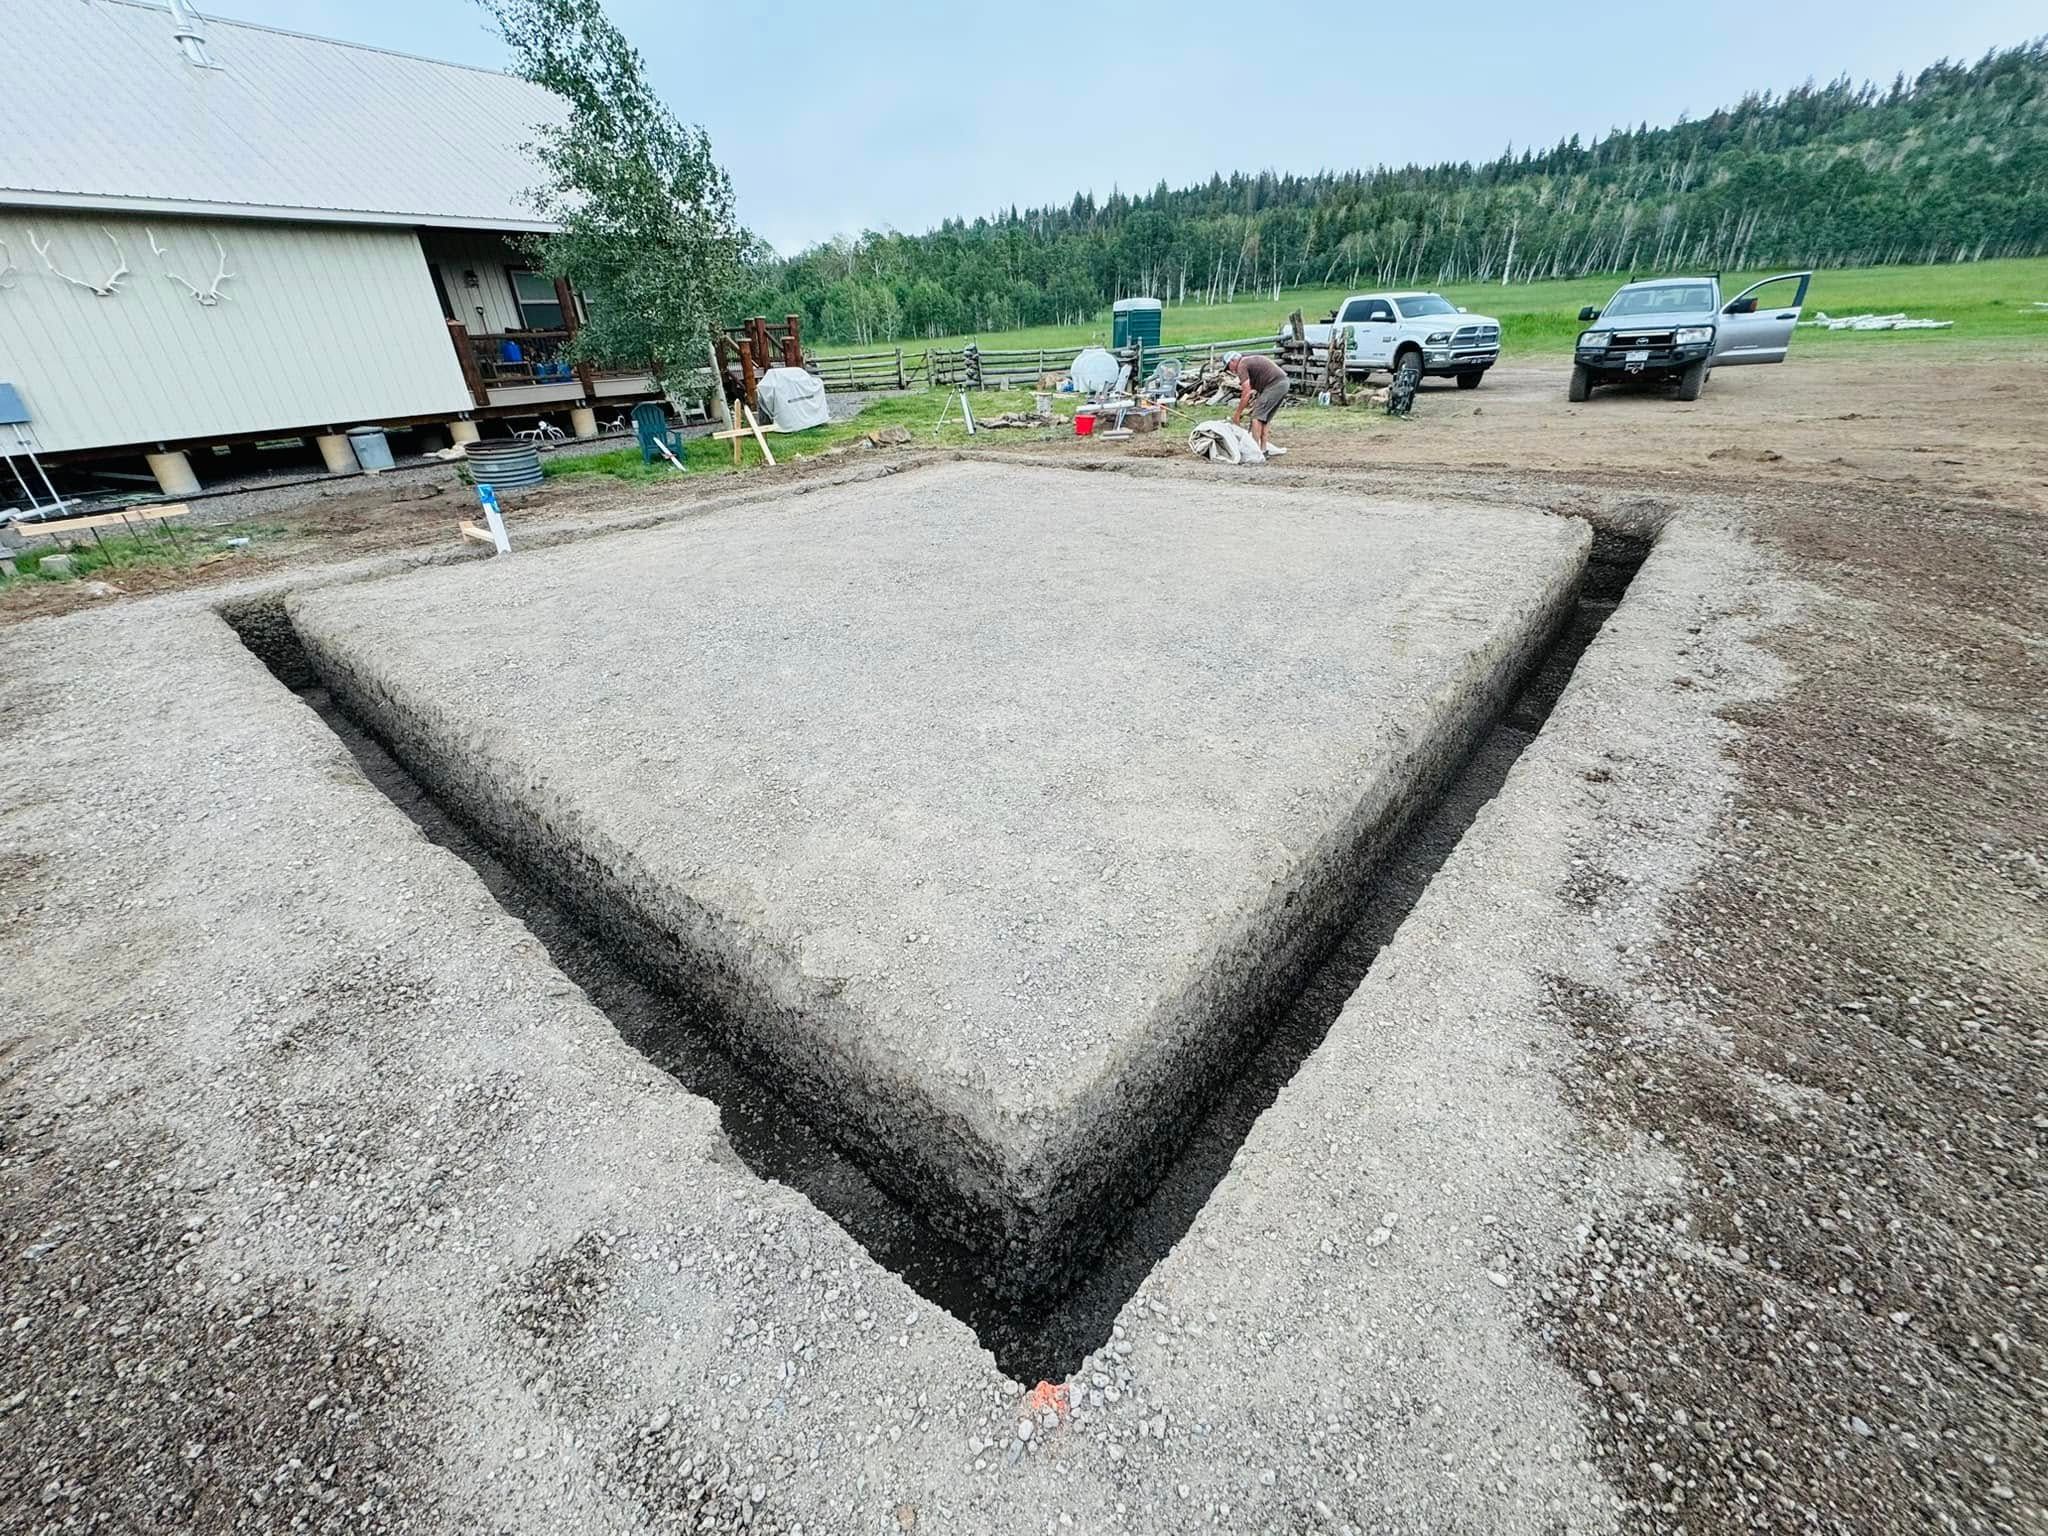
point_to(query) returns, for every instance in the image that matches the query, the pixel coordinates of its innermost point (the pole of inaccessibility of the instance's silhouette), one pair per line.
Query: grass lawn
(104, 558)
(918, 413)
(1990, 301)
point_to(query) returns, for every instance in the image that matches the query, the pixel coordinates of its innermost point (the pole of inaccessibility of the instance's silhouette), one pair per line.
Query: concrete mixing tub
(992, 814)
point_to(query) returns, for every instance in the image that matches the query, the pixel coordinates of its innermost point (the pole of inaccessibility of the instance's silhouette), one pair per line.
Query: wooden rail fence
(1311, 367)
(861, 370)
(973, 367)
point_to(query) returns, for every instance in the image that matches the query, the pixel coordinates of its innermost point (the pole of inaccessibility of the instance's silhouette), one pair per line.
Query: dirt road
(1956, 427)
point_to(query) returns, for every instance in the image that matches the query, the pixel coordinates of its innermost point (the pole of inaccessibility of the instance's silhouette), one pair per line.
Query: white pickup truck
(1392, 331)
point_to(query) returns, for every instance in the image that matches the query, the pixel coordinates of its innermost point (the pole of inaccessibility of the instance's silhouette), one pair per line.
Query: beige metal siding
(454, 252)
(320, 325)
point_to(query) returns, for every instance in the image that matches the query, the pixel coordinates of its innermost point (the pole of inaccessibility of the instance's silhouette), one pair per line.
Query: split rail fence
(987, 368)
(1311, 367)
(862, 370)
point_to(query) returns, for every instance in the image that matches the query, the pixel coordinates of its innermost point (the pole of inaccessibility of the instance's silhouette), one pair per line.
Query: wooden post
(792, 342)
(901, 382)
(744, 423)
(465, 354)
(747, 396)
(586, 375)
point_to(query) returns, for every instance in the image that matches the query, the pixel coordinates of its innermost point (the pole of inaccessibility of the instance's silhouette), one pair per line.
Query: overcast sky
(899, 116)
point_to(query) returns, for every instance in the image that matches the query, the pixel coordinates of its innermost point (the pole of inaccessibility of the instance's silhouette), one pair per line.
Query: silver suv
(1676, 330)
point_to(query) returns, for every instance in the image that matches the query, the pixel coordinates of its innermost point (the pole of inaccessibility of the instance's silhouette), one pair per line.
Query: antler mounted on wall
(7, 267)
(209, 296)
(103, 290)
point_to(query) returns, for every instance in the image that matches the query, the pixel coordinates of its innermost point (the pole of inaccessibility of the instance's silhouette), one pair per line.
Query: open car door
(1756, 325)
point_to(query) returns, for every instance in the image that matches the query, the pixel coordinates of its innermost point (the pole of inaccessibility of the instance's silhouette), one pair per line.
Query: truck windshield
(1415, 305)
(1662, 299)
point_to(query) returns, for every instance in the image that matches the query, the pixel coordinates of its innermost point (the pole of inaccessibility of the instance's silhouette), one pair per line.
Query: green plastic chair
(650, 425)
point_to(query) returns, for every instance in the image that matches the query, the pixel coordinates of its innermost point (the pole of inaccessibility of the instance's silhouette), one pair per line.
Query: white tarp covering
(792, 400)
(1094, 371)
(1225, 442)
(1897, 322)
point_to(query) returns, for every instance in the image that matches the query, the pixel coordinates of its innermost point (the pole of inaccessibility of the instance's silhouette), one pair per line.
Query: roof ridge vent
(189, 30)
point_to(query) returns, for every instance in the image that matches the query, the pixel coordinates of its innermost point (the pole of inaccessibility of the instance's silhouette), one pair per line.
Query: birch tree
(647, 230)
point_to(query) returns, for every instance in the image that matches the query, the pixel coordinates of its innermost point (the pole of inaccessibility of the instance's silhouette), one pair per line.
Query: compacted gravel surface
(1674, 1168)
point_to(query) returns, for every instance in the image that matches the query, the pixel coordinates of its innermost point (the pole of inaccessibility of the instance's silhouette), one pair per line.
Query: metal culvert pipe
(506, 468)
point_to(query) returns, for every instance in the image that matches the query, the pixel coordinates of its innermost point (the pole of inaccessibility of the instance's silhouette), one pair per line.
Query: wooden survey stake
(739, 431)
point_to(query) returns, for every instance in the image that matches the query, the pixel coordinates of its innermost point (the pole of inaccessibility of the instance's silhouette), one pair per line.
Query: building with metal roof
(215, 234)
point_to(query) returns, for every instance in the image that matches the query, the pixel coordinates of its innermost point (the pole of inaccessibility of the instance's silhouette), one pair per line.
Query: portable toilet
(1135, 320)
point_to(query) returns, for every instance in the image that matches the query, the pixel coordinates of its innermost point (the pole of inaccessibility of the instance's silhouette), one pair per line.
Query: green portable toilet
(1135, 320)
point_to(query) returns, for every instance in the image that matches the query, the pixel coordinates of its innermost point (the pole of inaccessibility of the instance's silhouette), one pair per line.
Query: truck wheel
(1693, 380)
(1581, 386)
(1469, 380)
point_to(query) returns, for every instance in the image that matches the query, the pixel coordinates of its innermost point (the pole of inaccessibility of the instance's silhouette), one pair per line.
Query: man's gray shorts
(1269, 400)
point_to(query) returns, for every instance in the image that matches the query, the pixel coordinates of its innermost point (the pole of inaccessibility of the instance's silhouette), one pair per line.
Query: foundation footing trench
(1122, 1195)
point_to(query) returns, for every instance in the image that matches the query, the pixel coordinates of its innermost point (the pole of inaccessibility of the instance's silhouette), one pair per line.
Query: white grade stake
(493, 520)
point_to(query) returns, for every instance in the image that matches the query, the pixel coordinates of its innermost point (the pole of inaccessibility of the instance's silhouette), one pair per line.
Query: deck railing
(507, 358)
(522, 359)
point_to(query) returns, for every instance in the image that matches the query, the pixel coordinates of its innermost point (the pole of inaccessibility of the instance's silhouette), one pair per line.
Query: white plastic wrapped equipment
(792, 400)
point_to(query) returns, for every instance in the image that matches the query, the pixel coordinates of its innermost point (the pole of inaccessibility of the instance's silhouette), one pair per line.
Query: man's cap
(1231, 357)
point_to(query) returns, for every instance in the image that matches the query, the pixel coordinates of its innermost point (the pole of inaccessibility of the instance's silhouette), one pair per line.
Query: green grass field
(919, 413)
(1989, 301)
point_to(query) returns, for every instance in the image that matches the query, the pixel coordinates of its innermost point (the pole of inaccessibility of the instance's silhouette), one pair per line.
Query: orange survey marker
(1047, 1396)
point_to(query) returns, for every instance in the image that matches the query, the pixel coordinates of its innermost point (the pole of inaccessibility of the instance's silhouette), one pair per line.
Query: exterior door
(1374, 334)
(1756, 325)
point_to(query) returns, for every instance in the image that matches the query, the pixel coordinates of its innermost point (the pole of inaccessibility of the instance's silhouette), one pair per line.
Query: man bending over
(1262, 385)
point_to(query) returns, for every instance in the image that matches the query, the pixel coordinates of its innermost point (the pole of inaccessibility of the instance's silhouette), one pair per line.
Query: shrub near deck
(991, 806)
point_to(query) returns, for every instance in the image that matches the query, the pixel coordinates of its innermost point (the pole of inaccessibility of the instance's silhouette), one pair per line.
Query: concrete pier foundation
(173, 471)
(336, 454)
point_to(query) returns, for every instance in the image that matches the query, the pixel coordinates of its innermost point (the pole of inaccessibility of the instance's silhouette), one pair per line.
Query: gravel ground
(983, 811)
(1713, 1051)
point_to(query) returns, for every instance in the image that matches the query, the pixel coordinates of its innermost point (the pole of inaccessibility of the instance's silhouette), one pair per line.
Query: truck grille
(1643, 339)
(1476, 336)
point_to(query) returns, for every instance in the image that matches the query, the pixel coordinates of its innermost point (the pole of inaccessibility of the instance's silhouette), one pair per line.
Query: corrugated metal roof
(103, 110)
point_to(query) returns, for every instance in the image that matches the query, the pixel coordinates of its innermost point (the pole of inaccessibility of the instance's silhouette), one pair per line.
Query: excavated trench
(1042, 1336)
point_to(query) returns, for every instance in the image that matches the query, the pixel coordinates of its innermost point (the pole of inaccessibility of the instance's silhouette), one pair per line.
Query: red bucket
(1084, 424)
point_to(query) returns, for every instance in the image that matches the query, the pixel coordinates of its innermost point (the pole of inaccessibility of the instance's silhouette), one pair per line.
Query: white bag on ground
(1225, 442)
(792, 399)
